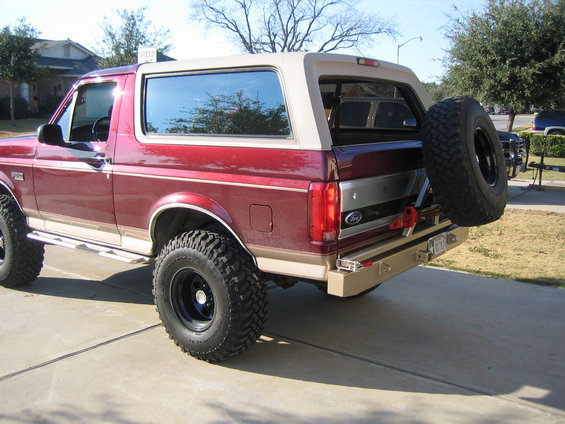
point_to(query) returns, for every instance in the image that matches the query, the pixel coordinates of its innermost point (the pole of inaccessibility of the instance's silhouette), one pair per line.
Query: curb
(545, 186)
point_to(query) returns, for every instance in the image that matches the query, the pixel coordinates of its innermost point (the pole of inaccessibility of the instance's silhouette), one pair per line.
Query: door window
(90, 113)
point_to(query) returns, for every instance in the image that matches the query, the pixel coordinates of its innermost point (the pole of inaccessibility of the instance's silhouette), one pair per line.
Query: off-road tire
(209, 296)
(464, 161)
(21, 259)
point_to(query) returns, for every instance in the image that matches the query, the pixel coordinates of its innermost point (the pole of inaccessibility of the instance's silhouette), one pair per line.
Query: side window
(234, 103)
(92, 113)
(393, 115)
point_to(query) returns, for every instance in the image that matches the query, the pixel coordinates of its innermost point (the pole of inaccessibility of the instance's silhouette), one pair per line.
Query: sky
(62, 19)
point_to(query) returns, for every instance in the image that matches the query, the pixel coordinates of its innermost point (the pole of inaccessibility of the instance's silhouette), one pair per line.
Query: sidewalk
(523, 195)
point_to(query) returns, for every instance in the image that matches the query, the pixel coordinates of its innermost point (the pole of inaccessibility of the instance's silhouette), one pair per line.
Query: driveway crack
(78, 352)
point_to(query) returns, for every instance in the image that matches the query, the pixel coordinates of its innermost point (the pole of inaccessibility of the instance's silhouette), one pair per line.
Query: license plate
(438, 244)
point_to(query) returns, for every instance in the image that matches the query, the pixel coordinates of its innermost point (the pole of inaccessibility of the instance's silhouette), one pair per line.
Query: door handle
(101, 157)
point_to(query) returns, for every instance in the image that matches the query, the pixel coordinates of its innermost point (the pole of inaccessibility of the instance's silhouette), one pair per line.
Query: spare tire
(464, 161)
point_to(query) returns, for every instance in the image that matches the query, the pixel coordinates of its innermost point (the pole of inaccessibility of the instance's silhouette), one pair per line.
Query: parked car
(238, 172)
(549, 122)
(514, 148)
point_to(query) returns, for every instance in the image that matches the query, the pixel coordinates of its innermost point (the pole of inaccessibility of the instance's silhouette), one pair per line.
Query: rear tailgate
(389, 222)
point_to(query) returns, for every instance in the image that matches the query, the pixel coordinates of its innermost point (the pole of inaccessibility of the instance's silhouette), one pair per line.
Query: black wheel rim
(486, 157)
(192, 299)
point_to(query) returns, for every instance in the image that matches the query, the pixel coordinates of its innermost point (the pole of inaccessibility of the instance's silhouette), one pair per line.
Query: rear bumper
(381, 266)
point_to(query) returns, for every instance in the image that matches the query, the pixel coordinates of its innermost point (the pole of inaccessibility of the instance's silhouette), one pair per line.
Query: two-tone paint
(136, 191)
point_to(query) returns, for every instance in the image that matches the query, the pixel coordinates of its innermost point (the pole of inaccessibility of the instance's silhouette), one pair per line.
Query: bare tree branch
(260, 26)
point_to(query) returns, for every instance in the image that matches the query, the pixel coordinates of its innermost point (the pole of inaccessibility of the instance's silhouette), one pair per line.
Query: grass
(546, 175)
(20, 126)
(523, 245)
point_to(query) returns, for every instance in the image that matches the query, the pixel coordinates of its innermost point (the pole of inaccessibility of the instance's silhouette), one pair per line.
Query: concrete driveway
(83, 344)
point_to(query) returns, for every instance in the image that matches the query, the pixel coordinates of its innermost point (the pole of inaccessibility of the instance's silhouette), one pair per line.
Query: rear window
(227, 103)
(365, 111)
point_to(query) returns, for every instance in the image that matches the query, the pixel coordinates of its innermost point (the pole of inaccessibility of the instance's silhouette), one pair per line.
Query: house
(63, 61)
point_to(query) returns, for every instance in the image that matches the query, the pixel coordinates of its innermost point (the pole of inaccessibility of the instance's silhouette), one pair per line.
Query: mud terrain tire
(21, 259)
(464, 161)
(208, 295)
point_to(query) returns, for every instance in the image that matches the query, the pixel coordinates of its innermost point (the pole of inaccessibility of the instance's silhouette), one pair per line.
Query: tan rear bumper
(379, 266)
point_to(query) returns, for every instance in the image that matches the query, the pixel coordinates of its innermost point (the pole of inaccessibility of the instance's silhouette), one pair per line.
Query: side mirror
(51, 134)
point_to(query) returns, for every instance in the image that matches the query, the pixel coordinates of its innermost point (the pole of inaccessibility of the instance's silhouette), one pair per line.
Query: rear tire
(208, 295)
(21, 259)
(464, 161)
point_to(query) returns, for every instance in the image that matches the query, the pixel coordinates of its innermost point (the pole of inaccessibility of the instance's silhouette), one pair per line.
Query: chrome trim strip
(197, 180)
(26, 165)
(82, 167)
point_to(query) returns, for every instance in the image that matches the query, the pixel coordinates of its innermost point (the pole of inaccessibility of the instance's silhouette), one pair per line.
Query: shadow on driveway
(428, 330)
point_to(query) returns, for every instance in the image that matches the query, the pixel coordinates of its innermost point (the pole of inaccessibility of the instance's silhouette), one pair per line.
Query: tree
(232, 115)
(512, 54)
(437, 91)
(269, 26)
(120, 43)
(18, 61)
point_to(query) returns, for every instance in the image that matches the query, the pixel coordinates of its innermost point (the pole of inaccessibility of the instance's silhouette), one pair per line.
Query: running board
(116, 254)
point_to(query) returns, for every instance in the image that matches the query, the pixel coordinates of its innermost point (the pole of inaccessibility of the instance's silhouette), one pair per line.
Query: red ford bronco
(234, 172)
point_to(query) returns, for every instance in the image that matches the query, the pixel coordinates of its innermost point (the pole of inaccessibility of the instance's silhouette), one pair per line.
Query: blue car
(549, 122)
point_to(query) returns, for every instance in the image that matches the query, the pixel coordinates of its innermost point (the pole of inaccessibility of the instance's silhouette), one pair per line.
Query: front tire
(21, 259)
(208, 295)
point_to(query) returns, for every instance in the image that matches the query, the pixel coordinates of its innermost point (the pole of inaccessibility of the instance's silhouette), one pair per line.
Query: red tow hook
(411, 217)
(408, 219)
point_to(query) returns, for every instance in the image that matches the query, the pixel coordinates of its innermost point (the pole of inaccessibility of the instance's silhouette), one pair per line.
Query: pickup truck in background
(229, 173)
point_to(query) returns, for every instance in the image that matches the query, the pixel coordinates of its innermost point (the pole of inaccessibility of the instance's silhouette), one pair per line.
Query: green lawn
(20, 126)
(523, 245)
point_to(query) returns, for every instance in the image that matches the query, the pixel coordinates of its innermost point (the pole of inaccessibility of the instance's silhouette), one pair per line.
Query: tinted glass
(94, 103)
(64, 121)
(237, 103)
(365, 104)
(365, 111)
(552, 115)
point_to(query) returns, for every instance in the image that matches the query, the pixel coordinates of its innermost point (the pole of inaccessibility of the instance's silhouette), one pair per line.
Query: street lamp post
(406, 42)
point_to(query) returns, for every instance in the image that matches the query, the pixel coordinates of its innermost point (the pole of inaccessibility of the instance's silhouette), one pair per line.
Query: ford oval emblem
(353, 218)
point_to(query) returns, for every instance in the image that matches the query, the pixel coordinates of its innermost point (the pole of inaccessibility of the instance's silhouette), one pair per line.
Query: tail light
(324, 211)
